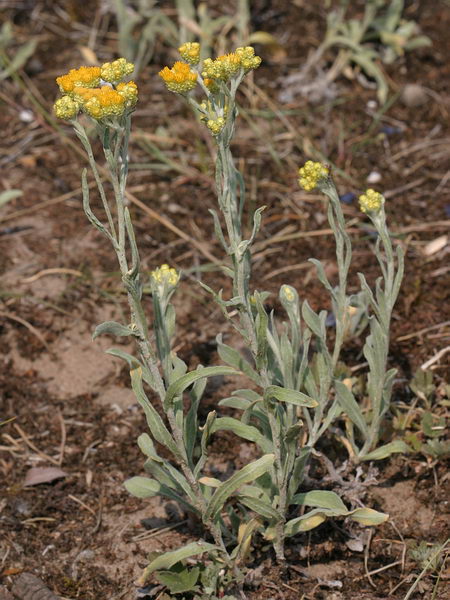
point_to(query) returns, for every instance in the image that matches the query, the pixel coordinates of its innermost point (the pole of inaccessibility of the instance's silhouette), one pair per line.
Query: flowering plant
(293, 397)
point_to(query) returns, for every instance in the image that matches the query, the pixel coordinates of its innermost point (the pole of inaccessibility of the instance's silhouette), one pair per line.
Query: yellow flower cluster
(100, 103)
(190, 52)
(215, 125)
(227, 65)
(179, 78)
(371, 201)
(311, 174)
(88, 77)
(83, 91)
(66, 108)
(115, 71)
(165, 275)
(248, 59)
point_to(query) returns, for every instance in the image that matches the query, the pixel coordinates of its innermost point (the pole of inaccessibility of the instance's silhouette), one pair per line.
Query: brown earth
(71, 405)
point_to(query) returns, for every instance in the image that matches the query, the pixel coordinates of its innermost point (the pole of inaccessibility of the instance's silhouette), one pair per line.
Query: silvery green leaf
(248, 473)
(298, 471)
(247, 432)
(260, 507)
(135, 260)
(313, 320)
(320, 499)
(86, 205)
(9, 195)
(365, 287)
(290, 396)
(261, 326)
(146, 445)
(256, 223)
(143, 487)
(168, 559)
(155, 423)
(170, 318)
(399, 275)
(180, 581)
(218, 229)
(386, 450)
(248, 394)
(368, 516)
(112, 328)
(233, 358)
(179, 368)
(321, 276)
(306, 522)
(154, 467)
(206, 432)
(287, 358)
(191, 421)
(350, 406)
(234, 402)
(132, 361)
(177, 387)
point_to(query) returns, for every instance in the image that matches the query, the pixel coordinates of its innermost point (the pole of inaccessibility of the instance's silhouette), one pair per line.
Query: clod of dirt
(29, 587)
(4, 594)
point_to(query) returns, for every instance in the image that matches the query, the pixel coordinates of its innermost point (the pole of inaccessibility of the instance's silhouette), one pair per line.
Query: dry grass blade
(52, 271)
(26, 324)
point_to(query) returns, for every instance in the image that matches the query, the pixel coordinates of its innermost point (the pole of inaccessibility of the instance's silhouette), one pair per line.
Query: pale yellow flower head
(66, 108)
(115, 71)
(311, 174)
(88, 77)
(190, 52)
(288, 293)
(223, 67)
(371, 201)
(165, 278)
(216, 125)
(248, 58)
(128, 91)
(101, 103)
(226, 66)
(179, 78)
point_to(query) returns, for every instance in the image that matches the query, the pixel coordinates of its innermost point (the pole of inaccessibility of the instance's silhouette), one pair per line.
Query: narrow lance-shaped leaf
(350, 406)
(320, 499)
(386, 450)
(112, 328)
(233, 358)
(178, 387)
(248, 473)
(168, 559)
(290, 396)
(143, 487)
(155, 423)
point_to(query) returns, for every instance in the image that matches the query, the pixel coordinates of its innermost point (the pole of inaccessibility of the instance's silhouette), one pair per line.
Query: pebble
(413, 94)
(374, 177)
(26, 116)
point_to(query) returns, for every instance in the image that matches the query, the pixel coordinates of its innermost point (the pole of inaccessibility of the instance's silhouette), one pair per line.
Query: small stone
(26, 116)
(374, 177)
(413, 94)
